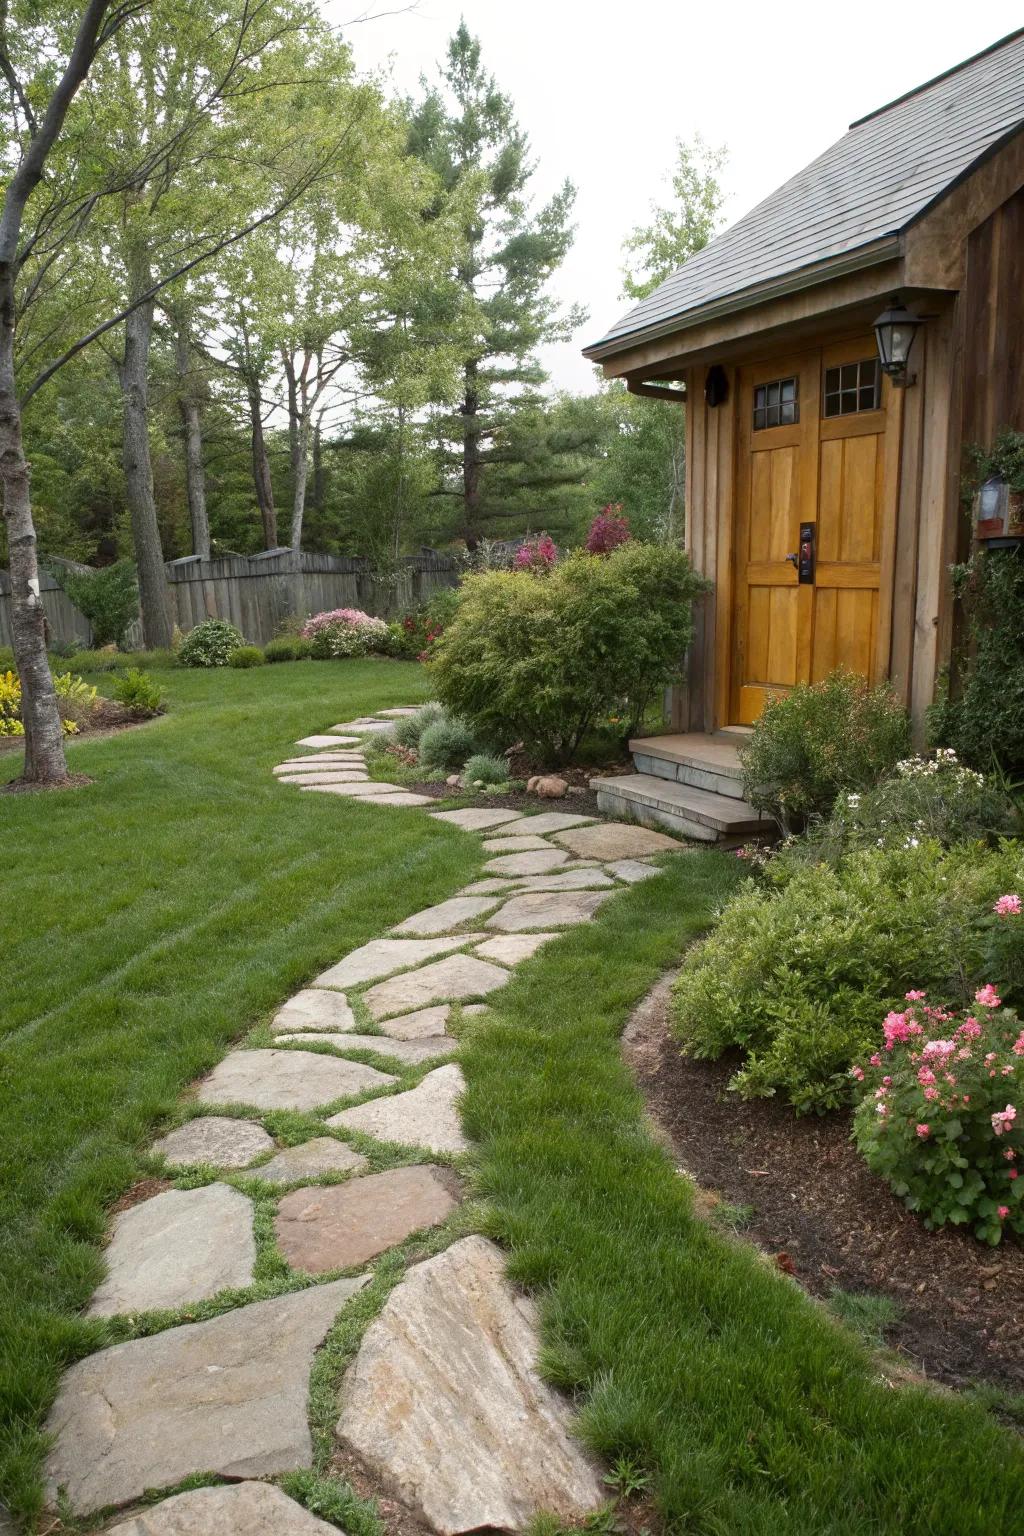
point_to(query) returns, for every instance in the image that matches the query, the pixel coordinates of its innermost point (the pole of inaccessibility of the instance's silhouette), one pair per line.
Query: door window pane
(776, 404)
(853, 387)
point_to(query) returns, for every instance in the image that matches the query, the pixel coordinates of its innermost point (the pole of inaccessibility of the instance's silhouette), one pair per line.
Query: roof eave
(874, 254)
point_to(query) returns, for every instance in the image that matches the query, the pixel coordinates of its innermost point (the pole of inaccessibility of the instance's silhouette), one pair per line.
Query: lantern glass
(895, 330)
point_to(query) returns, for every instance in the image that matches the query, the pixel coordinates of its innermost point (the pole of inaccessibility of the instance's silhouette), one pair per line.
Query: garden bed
(817, 1209)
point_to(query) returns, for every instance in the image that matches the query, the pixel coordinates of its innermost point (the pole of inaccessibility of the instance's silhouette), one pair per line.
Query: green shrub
(109, 598)
(244, 656)
(113, 661)
(409, 728)
(139, 694)
(281, 649)
(799, 971)
(483, 769)
(447, 743)
(538, 659)
(820, 740)
(985, 724)
(76, 699)
(210, 644)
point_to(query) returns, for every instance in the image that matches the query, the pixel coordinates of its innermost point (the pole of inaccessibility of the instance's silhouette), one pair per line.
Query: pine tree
(468, 134)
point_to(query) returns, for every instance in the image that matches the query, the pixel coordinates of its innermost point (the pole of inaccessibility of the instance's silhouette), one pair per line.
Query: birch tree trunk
(191, 419)
(261, 467)
(471, 463)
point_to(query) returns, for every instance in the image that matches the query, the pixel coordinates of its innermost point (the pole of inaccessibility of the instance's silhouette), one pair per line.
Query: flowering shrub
(536, 554)
(609, 529)
(345, 632)
(209, 644)
(938, 1115)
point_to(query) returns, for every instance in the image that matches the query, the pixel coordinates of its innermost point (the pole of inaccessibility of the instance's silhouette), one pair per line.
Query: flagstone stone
(577, 878)
(403, 797)
(320, 762)
(380, 957)
(400, 712)
(454, 979)
(343, 1225)
(287, 1079)
(314, 1008)
(228, 1397)
(368, 727)
(547, 822)
(476, 818)
(512, 844)
(230, 1509)
(544, 909)
(365, 789)
(632, 870)
(486, 887)
(422, 1024)
(216, 1139)
(338, 776)
(410, 1052)
(445, 1406)
(424, 1116)
(321, 740)
(536, 863)
(616, 840)
(446, 915)
(511, 948)
(310, 1160)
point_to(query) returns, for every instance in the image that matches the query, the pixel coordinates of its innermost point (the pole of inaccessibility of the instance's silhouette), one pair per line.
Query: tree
(468, 135)
(684, 226)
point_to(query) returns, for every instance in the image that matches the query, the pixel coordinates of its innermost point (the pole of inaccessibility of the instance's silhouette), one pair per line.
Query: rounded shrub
(210, 644)
(139, 694)
(447, 743)
(409, 728)
(245, 656)
(484, 769)
(281, 649)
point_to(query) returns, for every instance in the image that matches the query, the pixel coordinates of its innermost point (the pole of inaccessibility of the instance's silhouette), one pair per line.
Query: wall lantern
(998, 514)
(895, 330)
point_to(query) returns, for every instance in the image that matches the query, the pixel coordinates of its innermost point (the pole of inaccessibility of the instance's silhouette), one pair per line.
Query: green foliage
(798, 973)
(113, 661)
(819, 740)
(210, 644)
(541, 659)
(288, 648)
(409, 728)
(244, 656)
(137, 691)
(109, 598)
(868, 1315)
(483, 769)
(76, 700)
(1005, 460)
(985, 722)
(447, 743)
(676, 232)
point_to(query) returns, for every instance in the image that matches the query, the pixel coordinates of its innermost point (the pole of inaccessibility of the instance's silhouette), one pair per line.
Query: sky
(604, 90)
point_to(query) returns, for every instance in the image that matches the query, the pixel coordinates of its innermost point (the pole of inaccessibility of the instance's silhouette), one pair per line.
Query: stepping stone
(446, 915)
(363, 728)
(512, 844)
(547, 822)
(215, 1139)
(287, 1079)
(347, 1224)
(380, 957)
(403, 797)
(310, 1160)
(398, 714)
(228, 1397)
(339, 776)
(314, 1008)
(321, 762)
(183, 1245)
(632, 870)
(616, 840)
(445, 1406)
(575, 879)
(411, 1052)
(526, 863)
(424, 1116)
(365, 789)
(450, 980)
(476, 819)
(423, 1024)
(547, 909)
(487, 887)
(327, 741)
(511, 948)
(233, 1509)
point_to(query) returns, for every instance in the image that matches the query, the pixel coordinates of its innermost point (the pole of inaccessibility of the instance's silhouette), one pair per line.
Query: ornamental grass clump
(409, 728)
(447, 743)
(484, 770)
(341, 632)
(938, 1119)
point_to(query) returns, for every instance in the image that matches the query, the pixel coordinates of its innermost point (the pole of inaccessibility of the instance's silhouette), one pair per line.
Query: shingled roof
(848, 208)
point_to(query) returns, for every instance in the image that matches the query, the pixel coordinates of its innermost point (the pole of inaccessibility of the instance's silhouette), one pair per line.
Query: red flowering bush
(609, 529)
(939, 1121)
(536, 554)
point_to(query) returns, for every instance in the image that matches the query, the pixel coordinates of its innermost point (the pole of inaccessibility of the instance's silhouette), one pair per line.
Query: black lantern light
(895, 330)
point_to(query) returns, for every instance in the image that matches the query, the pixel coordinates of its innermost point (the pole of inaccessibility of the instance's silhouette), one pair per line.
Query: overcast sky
(604, 89)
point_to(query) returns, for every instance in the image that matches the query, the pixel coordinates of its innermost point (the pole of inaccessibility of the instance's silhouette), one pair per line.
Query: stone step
(694, 813)
(691, 758)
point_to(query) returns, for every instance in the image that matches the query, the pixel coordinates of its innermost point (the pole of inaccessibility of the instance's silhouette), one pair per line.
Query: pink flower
(970, 1029)
(1018, 1045)
(1002, 1212)
(915, 997)
(931, 1093)
(925, 1075)
(938, 1050)
(1008, 906)
(876, 1060)
(858, 1073)
(924, 1130)
(987, 996)
(1009, 1154)
(1003, 1119)
(1012, 1173)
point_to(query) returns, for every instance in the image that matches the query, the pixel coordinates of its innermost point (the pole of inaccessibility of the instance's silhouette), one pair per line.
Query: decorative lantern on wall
(998, 513)
(895, 330)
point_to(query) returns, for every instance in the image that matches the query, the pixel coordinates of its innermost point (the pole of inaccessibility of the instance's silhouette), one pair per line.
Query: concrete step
(691, 758)
(695, 813)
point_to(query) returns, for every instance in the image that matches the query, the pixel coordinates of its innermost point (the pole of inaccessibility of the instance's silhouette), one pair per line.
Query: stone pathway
(442, 1405)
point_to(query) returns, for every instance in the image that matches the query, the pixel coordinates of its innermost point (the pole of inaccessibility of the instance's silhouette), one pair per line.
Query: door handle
(793, 559)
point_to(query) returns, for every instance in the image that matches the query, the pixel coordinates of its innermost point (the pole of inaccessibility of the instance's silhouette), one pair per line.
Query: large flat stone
(512, 844)
(424, 1116)
(310, 1160)
(321, 762)
(547, 909)
(230, 1397)
(366, 789)
(575, 879)
(445, 1406)
(400, 712)
(322, 740)
(410, 1052)
(632, 871)
(232, 1509)
(445, 916)
(314, 1008)
(343, 1225)
(400, 797)
(476, 818)
(457, 978)
(422, 1024)
(511, 948)
(530, 863)
(215, 1139)
(183, 1245)
(287, 1079)
(369, 725)
(547, 822)
(325, 776)
(382, 957)
(616, 840)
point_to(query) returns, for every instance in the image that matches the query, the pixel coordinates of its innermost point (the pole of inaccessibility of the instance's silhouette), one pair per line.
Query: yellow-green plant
(10, 705)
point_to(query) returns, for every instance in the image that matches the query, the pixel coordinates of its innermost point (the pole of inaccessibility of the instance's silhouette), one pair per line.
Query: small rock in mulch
(346, 1224)
(424, 1116)
(234, 1509)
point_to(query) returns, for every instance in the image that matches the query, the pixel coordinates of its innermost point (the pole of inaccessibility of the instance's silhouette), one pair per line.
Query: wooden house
(823, 494)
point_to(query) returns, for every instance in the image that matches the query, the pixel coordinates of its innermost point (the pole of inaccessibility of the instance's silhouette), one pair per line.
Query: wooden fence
(257, 592)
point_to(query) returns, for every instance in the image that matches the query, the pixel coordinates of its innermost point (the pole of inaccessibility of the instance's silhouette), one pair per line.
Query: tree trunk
(300, 468)
(677, 496)
(317, 500)
(154, 598)
(261, 467)
(195, 480)
(45, 762)
(471, 465)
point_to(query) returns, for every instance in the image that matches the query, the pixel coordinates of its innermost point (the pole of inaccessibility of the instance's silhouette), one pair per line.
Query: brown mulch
(145, 1189)
(820, 1213)
(579, 799)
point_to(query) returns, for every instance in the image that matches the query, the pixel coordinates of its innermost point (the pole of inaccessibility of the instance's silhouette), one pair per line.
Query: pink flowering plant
(537, 555)
(609, 529)
(938, 1119)
(345, 632)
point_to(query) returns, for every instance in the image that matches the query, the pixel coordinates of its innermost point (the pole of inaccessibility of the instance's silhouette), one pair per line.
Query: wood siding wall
(993, 300)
